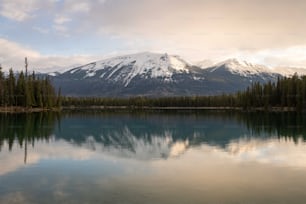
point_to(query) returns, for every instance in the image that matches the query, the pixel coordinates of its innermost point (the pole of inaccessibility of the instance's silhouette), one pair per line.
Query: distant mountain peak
(127, 67)
(235, 61)
(242, 67)
(245, 68)
(153, 74)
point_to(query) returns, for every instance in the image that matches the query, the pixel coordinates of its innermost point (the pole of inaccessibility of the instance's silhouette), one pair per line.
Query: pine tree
(59, 97)
(20, 90)
(10, 83)
(2, 87)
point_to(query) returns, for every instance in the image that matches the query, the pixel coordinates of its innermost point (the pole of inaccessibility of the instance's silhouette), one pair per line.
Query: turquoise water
(208, 157)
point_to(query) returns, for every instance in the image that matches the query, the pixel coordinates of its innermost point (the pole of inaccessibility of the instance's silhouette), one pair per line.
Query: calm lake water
(208, 157)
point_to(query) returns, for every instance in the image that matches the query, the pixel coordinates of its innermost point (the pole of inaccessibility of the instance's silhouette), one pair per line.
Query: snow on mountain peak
(148, 65)
(236, 62)
(289, 71)
(242, 67)
(140, 64)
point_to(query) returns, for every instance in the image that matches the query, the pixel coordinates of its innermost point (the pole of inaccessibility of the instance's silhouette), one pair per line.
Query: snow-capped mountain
(289, 71)
(126, 68)
(151, 74)
(243, 68)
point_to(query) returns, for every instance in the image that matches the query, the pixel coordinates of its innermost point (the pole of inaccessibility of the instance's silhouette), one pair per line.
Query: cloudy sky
(62, 33)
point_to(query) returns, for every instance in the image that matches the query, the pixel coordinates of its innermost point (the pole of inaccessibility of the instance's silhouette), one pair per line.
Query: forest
(286, 92)
(30, 91)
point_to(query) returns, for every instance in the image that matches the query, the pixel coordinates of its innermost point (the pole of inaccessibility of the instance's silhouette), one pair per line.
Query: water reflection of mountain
(164, 135)
(150, 135)
(118, 129)
(212, 128)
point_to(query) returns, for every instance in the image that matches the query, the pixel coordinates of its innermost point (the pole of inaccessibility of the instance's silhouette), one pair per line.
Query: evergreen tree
(27, 91)
(59, 97)
(10, 84)
(2, 87)
(20, 90)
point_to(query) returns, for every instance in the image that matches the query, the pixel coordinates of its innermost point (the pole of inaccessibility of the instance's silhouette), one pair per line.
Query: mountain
(124, 69)
(241, 71)
(242, 68)
(245, 68)
(154, 75)
(289, 71)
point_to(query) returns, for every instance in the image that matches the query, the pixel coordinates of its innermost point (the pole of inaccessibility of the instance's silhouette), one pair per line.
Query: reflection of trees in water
(211, 127)
(111, 128)
(283, 125)
(26, 128)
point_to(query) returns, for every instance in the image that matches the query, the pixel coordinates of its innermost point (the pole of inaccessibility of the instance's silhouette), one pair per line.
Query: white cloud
(61, 19)
(16, 10)
(20, 10)
(269, 33)
(195, 29)
(61, 30)
(41, 30)
(11, 53)
(70, 10)
(60, 25)
(78, 7)
(279, 57)
(12, 56)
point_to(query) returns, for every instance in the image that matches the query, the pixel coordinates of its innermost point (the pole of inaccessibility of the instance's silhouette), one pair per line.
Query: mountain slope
(235, 72)
(242, 68)
(245, 68)
(147, 74)
(124, 69)
(156, 75)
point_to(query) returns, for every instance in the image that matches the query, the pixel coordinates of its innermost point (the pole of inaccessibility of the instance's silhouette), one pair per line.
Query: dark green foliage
(10, 87)
(284, 93)
(31, 91)
(27, 91)
(138, 102)
(2, 89)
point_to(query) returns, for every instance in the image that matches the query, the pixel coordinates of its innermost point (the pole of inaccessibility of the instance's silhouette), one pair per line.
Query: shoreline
(144, 108)
(17, 109)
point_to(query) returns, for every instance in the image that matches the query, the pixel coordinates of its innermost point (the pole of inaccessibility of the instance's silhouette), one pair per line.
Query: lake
(142, 157)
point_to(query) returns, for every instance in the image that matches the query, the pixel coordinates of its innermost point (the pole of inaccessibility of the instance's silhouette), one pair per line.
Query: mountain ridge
(152, 74)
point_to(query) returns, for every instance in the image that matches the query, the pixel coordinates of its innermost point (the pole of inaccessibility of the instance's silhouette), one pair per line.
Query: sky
(58, 34)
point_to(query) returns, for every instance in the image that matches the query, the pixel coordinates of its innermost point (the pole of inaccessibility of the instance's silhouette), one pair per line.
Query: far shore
(270, 109)
(140, 108)
(17, 109)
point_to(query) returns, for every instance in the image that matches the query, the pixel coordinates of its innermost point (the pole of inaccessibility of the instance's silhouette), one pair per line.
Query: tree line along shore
(286, 94)
(23, 92)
